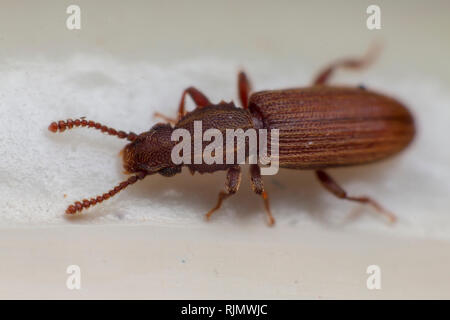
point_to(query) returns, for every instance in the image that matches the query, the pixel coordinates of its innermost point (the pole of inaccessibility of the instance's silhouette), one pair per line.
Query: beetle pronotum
(320, 127)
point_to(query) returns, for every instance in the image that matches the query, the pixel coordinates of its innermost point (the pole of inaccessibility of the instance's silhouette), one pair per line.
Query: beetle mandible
(320, 127)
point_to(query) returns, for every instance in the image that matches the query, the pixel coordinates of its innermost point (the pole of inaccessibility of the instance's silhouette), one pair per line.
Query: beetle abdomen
(324, 126)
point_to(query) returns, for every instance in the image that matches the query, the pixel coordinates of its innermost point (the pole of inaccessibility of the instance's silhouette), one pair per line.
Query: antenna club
(53, 127)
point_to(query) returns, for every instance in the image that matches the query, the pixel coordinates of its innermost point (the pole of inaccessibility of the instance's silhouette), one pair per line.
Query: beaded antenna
(82, 122)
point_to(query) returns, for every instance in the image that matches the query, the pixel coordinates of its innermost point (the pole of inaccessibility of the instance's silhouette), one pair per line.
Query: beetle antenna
(85, 203)
(62, 125)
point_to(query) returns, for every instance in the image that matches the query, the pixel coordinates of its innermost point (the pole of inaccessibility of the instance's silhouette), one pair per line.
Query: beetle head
(151, 152)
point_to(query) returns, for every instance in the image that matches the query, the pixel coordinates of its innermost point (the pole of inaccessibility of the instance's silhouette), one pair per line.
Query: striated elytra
(325, 127)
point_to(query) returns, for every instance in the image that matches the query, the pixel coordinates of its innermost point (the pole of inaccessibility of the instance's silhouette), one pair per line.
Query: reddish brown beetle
(320, 127)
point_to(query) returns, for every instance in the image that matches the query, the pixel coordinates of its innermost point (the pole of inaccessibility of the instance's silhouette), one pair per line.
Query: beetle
(320, 127)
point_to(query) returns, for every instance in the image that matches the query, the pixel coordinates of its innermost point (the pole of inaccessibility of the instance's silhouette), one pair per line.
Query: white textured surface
(39, 167)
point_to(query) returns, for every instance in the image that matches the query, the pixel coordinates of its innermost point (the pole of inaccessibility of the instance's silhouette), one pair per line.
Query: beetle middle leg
(331, 185)
(200, 101)
(258, 188)
(352, 63)
(232, 184)
(244, 88)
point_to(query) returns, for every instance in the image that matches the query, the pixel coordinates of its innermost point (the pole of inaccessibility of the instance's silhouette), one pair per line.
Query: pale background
(133, 58)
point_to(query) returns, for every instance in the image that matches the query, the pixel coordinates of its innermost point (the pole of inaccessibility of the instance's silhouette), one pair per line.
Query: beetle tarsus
(270, 218)
(222, 196)
(258, 187)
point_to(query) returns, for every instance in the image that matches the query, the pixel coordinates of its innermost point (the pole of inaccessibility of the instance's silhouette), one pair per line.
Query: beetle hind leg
(351, 63)
(331, 185)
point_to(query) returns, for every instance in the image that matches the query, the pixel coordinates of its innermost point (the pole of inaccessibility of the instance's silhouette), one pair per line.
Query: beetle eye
(160, 125)
(169, 172)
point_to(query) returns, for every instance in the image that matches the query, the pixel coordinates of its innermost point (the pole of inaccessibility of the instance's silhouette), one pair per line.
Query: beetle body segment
(223, 116)
(324, 127)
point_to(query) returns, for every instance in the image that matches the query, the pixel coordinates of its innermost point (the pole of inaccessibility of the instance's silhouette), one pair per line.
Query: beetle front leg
(258, 188)
(353, 63)
(232, 184)
(244, 89)
(200, 101)
(335, 189)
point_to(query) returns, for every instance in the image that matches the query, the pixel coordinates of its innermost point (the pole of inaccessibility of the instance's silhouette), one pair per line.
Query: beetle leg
(199, 98)
(355, 63)
(335, 189)
(165, 118)
(244, 89)
(258, 188)
(200, 101)
(231, 187)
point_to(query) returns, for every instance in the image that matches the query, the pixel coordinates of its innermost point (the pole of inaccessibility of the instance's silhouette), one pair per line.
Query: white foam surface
(38, 167)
